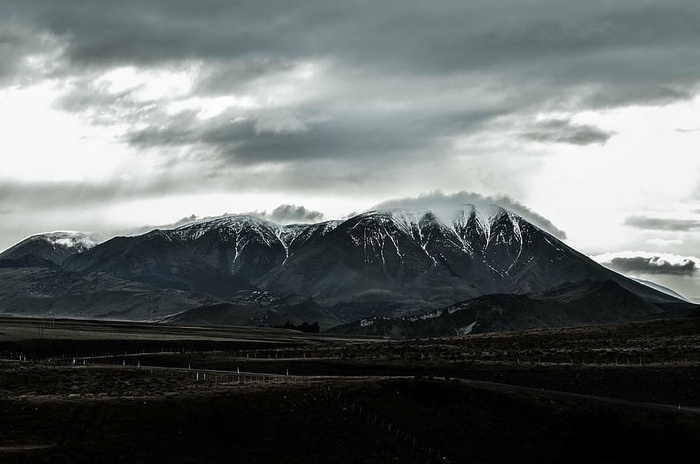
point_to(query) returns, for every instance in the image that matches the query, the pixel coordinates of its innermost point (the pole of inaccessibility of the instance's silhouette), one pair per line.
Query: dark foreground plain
(98, 392)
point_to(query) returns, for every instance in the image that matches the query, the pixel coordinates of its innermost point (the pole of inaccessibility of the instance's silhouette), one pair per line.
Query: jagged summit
(412, 222)
(231, 225)
(486, 213)
(469, 228)
(227, 227)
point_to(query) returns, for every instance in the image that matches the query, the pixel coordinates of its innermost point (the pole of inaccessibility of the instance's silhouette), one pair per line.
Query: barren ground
(345, 399)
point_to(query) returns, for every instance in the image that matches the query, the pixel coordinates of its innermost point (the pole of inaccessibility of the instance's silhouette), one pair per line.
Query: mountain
(27, 261)
(399, 259)
(424, 260)
(574, 304)
(379, 263)
(40, 291)
(42, 249)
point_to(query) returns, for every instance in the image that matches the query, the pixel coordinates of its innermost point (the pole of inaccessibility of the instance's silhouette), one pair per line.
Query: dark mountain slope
(218, 257)
(263, 312)
(582, 303)
(389, 255)
(37, 292)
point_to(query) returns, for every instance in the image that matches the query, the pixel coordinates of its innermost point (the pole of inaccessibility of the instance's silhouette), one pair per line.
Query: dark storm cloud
(439, 200)
(564, 131)
(17, 42)
(243, 140)
(665, 224)
(415, 59)
(237, 74)
(103, 107)
(11, 51)
(653, 265)
(640, 46)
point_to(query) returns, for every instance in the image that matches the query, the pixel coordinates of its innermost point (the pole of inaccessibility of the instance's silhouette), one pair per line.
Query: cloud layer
(564, 131)
(368, 82)
(650, 264)
(663, 224)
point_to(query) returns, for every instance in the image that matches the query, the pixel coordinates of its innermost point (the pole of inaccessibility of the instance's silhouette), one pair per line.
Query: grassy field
(137, 393)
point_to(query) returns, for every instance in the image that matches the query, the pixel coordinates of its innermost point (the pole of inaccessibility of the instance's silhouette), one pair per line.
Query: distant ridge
(575, 304)
(55, 247)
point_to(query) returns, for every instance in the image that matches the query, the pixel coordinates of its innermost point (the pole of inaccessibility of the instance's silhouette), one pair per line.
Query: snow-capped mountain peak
(52, 246)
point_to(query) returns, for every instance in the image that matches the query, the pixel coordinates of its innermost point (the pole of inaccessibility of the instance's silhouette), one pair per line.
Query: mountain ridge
(389, 262)
(396, 250)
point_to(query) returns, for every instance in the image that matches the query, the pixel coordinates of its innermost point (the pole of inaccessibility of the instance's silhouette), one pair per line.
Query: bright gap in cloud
(150, 84)
(40, 143)
(210, 107)
(648, 164)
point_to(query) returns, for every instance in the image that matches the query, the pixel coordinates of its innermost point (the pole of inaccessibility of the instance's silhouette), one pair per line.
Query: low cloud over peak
(441, 201)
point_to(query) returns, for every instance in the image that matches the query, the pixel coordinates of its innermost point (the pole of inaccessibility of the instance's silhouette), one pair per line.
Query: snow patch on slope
(70, 239)
(66, 239)
(467, 329)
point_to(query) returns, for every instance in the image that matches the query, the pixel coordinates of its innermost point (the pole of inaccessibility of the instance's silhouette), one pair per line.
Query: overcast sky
(118, 115)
